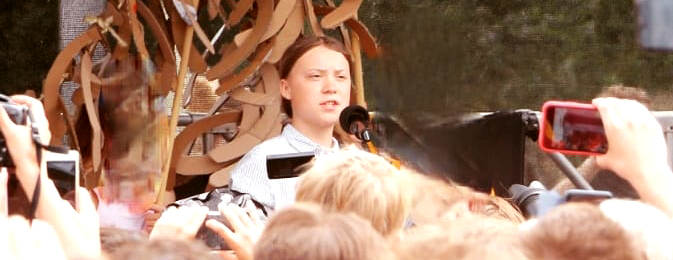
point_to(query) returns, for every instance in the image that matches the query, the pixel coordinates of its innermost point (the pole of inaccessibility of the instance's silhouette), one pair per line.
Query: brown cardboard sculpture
(248, 80)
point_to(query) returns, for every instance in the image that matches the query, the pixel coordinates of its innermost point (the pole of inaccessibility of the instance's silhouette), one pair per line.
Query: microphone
(355, 120)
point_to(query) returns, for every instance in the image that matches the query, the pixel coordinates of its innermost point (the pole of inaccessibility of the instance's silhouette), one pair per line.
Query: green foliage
(446, 57)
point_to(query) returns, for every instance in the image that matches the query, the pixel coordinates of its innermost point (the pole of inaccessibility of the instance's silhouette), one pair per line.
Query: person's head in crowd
(306, 231)
(436, 200)
(315, 81)
(353, 180)
(647, 225)
(624, 92)
(163, 249)
(112, 238)
(474, 237)
(578, 231)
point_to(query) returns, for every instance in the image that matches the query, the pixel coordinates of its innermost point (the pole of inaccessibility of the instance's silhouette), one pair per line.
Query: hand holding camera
(22, 119)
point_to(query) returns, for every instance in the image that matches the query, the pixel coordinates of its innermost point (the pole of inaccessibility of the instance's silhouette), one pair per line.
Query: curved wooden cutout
(158, 32)
(178, 27)
(221, 177)
(342, 27)
(289, 33)
(270, 82)
(246, 141)
(54, 78)
(347, 10)
(197, 165)
(91, 111)
(251, 114)
(191, 132)
(280, 15)
(234, 80)
(239, 11)
(312, 19)
(125, 34)
(229, 62)
(366, 39)
(138, 31)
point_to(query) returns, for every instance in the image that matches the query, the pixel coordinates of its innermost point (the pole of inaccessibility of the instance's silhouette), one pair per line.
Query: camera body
(19, 115)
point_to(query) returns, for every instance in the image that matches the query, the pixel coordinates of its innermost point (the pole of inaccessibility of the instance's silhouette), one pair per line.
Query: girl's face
(318, 87)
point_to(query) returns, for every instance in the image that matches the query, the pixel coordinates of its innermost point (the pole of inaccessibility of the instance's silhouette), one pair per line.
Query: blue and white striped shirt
(250, 175)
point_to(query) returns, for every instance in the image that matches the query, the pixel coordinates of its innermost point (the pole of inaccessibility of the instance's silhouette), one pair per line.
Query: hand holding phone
(242, 231)
(639, 148)
(572, 128)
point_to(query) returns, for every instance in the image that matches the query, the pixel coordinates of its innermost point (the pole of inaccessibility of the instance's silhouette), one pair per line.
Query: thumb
(5, 122)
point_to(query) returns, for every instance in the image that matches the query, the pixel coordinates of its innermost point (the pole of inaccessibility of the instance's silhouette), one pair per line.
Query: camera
(535, 201)
(19, 115)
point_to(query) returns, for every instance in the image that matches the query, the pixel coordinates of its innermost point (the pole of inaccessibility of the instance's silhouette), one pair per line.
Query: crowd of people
(349, 204)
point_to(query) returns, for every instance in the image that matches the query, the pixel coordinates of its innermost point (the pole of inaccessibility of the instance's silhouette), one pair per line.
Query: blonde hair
(435, 199)
(474, 237)
(578, 231)
(305, 231)
(352, 180)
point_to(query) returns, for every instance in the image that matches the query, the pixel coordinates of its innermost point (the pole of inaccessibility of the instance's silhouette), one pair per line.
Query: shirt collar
(302, 143)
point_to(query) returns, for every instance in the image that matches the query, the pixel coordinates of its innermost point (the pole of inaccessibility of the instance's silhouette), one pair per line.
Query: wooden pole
(177, 105)
(357, 66)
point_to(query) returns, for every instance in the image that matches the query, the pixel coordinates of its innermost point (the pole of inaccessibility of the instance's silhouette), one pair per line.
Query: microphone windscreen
(351, 114)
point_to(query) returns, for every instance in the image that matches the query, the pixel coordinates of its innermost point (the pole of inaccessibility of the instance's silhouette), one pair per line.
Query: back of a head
(625, 92)
(355, 181)
(436, 200)
(163, 249)
(112, 238)
(466, 238)
(651, 228)
(305, 231)
(578, 231)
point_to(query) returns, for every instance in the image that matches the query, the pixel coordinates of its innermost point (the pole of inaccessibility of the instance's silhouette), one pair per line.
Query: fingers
(232, 217)
(244, 216)
(238, 219)
(635, 138)
(225, 233)
(37, 110)
(4, 239)
(20, 241)
(156, 208)
(46, 240)
(182, 222)
(88, 215)
(228, 255)
(252, 212)
(6, 123)
(4, 203)
(194, 220)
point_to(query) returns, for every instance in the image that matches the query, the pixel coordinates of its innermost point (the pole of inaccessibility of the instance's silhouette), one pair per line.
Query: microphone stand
(366, 141)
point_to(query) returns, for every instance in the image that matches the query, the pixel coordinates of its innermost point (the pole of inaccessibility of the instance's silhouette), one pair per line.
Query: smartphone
(63, 170)
(572, 128)
(281, 166)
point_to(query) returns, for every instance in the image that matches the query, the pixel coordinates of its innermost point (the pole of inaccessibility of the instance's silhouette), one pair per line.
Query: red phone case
(544, 127)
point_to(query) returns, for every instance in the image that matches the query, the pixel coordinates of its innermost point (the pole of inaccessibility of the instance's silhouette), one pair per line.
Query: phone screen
(285, 165)
(573, 128)
(63, 170)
